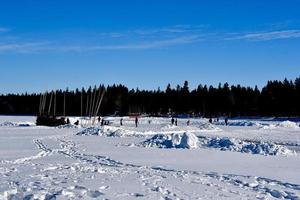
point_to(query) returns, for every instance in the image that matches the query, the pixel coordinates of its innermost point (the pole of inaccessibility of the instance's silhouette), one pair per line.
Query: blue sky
(146, 44)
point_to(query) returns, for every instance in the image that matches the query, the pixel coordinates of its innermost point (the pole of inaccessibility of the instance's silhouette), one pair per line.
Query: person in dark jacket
(136, 121)
(226, 121)
(172, 121)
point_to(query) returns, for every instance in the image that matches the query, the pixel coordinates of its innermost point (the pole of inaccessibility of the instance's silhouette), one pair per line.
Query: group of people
(136, 121)
(174, 121)
(217, 120)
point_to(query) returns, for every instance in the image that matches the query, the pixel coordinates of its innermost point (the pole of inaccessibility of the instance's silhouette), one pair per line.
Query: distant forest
(277, 98)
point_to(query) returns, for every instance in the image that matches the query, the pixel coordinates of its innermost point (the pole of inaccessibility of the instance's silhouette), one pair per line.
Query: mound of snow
(13, 124)
(8, 124)
(288, 124)
(262, 148)
(107, 131)
(240, 123)
(176, 140)
(90, 131)
(67, 126)
(189, 141)
(208, 126)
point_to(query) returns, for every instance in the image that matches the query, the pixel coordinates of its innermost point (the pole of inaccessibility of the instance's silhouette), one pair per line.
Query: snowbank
(67, 126)
(191, 141)
(262, 148)
(287, 124)
(176, 140)
(13, 124)
(8, 124)
(239, 123)
(107, 131)
(208, 126)
(90, 131)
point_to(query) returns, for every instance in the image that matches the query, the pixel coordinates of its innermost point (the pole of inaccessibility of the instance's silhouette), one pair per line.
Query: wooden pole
(40, 106)
(44, 102)
(87, 105)
(93, 102)
(97, 100)
(54, 109)
(50, 103)
(98, 107)
(64, 104)
(90, 104)
(81, 103)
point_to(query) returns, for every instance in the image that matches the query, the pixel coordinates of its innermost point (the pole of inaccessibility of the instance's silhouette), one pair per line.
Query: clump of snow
(208, 126)
(8, 124)
(191, 141)
(67, 126)
(13, 124)
(287, 124)
(239, 123)
(176, 140)
(90, 131)
(107, 131)
(262, 148)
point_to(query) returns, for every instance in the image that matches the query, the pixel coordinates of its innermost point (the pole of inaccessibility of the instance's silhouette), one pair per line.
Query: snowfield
(248, 159)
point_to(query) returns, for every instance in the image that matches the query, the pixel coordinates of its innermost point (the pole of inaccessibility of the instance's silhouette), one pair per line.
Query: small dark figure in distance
(226, 121)
(188, 122)
(172, 121)
(102, 122)
(217, 119)
(136, 121)
(175, 122)
(121, 122)
(210, 120)
(68, 121)
(99, 119)
(77, 123)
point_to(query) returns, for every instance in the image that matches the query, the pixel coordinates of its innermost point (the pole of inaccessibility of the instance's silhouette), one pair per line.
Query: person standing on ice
(136, 121)
(121, 122)
(226, 121)
(188, 122)
(175, 122)
(172, 121)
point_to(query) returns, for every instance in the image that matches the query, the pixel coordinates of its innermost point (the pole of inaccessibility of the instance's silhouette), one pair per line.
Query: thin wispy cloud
(2, 29)
(40, 47)
(135, 46)
(265, 36)
(23, 47)
(159, 31)
(141, 39)
(176, 29)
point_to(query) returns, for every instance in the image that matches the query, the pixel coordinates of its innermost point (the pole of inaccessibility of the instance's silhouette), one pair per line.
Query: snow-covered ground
(249, 159)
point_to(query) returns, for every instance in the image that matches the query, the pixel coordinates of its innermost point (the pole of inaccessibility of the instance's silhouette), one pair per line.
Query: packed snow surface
(249, 159)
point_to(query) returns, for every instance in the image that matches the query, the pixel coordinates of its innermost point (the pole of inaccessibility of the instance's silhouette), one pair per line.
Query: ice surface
(205, 161)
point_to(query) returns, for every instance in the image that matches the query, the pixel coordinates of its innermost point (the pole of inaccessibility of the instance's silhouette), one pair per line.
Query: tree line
(277, 98)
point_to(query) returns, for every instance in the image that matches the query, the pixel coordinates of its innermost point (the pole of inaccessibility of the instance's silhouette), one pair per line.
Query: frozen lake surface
(249, 159)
